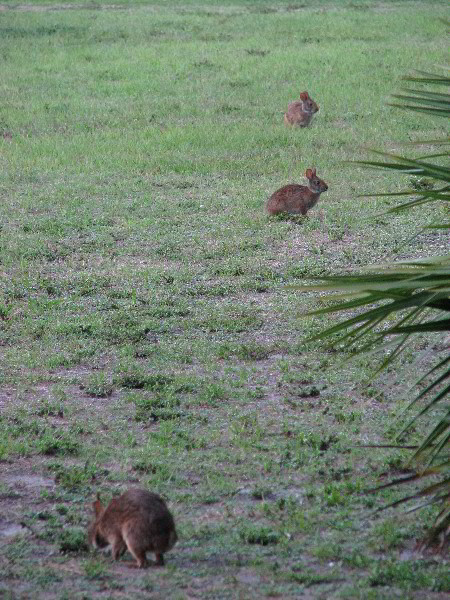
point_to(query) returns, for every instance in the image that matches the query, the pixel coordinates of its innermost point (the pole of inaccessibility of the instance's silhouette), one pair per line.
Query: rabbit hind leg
(139, 555)
(135, 548)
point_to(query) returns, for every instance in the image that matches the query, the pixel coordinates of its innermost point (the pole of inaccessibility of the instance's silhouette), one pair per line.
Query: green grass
(149, 327)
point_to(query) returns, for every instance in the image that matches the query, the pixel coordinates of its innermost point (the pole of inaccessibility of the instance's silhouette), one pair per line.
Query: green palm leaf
(407, 299)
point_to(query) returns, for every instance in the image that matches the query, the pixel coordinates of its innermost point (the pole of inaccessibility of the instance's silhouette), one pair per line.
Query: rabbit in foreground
(301, 112)
(296, 199)
(137, 520)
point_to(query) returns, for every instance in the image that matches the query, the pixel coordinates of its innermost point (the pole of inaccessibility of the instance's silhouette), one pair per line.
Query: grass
(149, 326)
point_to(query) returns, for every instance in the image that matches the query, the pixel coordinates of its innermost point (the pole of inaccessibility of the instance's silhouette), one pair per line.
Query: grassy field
(149, 328)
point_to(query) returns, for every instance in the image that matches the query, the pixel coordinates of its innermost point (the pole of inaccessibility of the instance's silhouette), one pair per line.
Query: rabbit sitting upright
(295, 198)
(301, 112)
(137, 520)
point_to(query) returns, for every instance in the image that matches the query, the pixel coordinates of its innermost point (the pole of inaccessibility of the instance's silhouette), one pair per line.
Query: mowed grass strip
(150, 328)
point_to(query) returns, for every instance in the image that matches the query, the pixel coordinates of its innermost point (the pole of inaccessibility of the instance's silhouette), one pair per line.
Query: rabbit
(300, 113)
(139, 521)
(296, 199)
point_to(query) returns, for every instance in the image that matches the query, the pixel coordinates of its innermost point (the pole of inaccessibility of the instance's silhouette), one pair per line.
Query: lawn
(151, 329)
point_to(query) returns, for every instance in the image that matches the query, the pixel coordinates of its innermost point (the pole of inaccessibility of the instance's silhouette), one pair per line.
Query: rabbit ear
(309, 173)
(98, 506)
(304, 96)
(314, 172)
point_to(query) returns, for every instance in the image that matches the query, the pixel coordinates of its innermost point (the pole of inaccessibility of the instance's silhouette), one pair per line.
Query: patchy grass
(150, 327)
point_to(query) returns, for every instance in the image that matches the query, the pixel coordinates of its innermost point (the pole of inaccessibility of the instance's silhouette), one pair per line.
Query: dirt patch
(28, 481)
(11, 529)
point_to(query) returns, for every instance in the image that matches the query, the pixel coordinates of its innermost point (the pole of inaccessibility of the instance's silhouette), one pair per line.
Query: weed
(442, 581)
(237, 322)
(389, 535)
(98, 386)
(52, 442)
(328, 551)
(73, 540)
(259, 535)
(406, 575)
(133, 376)
(156, 407)
(49, 408)
(43, 577)
(334, 496)
(18, 548)
(357, 559)
(259, 493)
(95, 568)
(310, 578)
(247, 352)
(5, 310)
(212, 394)
(147, 464)
(73, 476)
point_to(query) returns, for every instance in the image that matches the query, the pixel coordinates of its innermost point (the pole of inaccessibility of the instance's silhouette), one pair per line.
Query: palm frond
(409, 165)
(402, 300)
(427, 78)
(430, 110)
(425, 94)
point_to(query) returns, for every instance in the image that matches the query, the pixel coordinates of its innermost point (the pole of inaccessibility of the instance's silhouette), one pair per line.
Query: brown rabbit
(301, 112)
(296, 199)
(137, 520)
